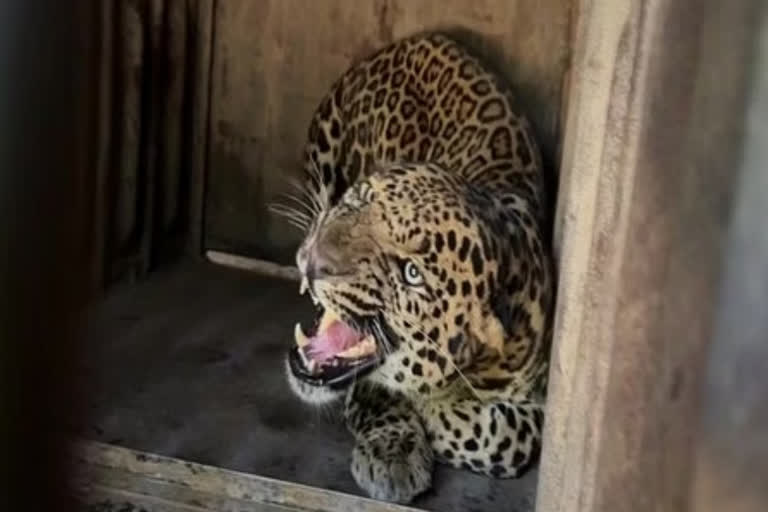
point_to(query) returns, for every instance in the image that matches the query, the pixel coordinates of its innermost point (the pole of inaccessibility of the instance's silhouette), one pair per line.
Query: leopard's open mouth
(332, 352)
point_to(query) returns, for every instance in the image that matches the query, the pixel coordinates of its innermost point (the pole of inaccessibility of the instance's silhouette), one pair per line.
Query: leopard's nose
(322, 266)
(324, 256)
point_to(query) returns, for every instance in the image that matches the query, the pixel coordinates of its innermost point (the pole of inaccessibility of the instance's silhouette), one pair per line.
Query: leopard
(423, 210)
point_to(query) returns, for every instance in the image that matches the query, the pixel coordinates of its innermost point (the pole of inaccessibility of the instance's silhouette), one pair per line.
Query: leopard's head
(415, 273)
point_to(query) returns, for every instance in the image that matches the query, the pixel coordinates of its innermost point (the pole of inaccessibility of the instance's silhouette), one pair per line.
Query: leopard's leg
(499, 438)
(392, 459)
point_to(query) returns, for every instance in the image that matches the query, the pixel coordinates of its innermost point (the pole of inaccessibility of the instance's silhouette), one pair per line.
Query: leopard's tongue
(334, 339)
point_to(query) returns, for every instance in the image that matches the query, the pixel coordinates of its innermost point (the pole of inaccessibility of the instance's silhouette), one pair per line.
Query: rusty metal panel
(273, 61)
(152, 128)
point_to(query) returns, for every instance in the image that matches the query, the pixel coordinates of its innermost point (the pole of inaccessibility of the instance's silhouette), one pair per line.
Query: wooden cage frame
(651, 137)
(651, 160)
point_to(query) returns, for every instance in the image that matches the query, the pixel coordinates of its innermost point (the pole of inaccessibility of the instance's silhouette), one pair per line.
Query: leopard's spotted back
(424, 99)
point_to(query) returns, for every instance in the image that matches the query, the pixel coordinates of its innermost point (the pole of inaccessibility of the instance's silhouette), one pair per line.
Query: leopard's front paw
(393, 469)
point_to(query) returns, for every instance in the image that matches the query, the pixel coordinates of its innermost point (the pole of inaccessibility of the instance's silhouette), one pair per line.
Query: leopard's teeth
(304, 286)
(365, 347)
(302, 342)
(307, 361)
(328, 318)
(301, 338)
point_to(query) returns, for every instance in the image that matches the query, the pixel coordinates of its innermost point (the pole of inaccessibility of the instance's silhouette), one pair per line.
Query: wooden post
(651, 153)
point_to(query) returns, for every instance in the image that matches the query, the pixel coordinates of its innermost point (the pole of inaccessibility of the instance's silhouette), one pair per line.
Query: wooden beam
(263, 267)
(105, 473)
(652, 139)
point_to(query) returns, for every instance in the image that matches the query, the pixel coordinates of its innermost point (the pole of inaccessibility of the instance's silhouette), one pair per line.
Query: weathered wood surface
(262, 267)
(653, 136)
(110, 473)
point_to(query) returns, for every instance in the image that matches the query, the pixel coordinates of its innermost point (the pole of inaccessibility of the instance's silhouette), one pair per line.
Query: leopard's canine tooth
(301, 338)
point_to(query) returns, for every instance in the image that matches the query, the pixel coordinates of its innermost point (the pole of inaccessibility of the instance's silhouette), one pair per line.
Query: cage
(198, 113)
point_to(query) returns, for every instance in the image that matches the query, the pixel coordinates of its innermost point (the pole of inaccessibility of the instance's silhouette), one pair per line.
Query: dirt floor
(189, 364)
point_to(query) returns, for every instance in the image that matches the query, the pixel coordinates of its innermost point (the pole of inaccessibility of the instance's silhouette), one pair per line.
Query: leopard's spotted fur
(417, 158)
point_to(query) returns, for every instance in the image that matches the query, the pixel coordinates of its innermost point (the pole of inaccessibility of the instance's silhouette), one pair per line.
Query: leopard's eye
(412, 274)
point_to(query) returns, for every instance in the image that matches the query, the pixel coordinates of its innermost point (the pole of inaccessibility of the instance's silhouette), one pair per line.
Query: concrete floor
(189, 364)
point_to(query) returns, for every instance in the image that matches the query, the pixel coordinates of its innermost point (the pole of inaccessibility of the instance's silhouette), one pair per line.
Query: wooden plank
(103, 472)
(652, 134)
(110, 499)
(262, 267)
(102, 487)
